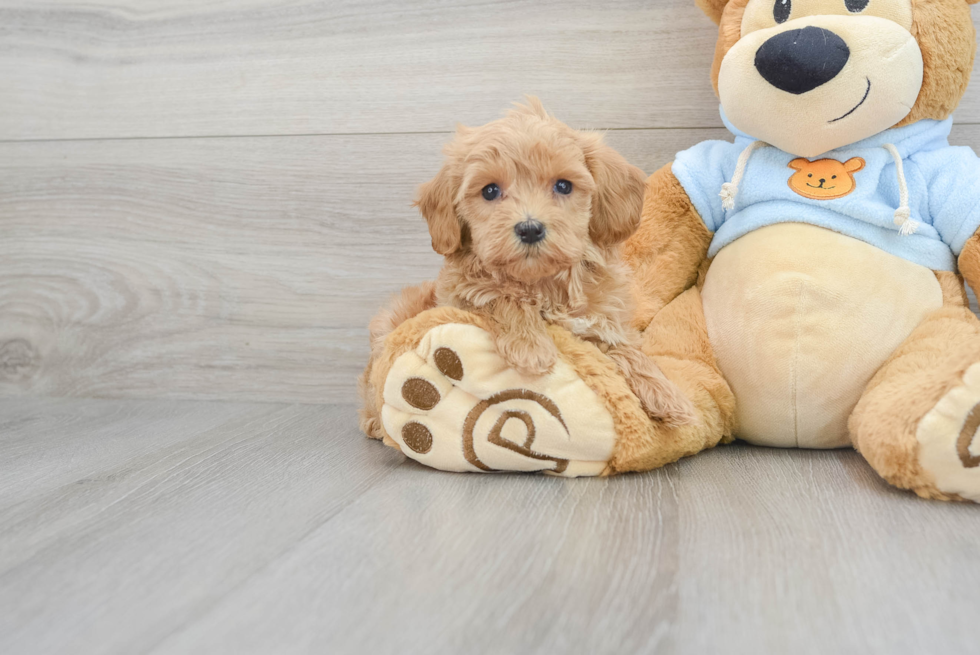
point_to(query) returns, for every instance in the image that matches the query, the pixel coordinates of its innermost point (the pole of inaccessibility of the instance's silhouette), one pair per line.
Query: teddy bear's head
(809, 76)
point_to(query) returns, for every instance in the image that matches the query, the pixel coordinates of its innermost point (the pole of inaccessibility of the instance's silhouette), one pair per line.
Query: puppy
(528, 214)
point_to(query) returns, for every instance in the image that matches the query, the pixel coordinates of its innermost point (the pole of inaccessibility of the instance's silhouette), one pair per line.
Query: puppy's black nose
(799, 61)
(530, 231)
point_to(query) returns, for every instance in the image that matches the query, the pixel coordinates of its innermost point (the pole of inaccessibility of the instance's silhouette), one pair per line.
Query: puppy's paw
(660, 398)
(529, 355)
(455, 404)
(663, 401)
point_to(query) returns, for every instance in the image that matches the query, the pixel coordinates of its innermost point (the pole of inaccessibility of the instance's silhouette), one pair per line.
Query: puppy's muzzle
(530, 231)
(799, 61)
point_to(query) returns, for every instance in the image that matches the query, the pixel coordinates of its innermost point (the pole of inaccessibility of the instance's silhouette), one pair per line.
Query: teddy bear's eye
(810, 175)
(856, 6)
(783, 8)
(834, 177)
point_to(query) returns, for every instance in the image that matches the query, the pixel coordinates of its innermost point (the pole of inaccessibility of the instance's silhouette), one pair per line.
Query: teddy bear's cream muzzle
(875, 89)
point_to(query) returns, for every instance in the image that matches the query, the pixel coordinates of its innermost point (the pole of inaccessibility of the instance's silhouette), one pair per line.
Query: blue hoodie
(940, 212)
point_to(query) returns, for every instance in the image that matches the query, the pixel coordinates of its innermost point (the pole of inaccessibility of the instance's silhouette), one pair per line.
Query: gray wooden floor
(203, 527)
(202, 204)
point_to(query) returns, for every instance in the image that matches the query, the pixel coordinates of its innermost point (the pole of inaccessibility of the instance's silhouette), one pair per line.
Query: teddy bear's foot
(917, 421)
(949, 439)
(454, 404)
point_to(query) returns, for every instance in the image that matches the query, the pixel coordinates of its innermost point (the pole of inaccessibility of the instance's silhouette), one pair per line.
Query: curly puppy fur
(573, 277)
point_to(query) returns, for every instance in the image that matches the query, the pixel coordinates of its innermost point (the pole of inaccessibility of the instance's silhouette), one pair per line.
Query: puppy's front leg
(661, 399)
(521, 337)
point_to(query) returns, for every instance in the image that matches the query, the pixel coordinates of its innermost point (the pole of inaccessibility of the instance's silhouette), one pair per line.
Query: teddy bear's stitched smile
(858, 106)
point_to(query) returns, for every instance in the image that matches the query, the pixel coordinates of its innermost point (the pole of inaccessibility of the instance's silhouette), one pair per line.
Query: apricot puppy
(529, 214)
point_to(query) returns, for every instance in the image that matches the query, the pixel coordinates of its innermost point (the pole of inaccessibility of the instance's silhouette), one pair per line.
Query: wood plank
(123, 68)
(115, 561)
(737, 550)
(811, 552)
(280, 529)
(742, 550)
(46, 443)
(120, 68)
(242, 269)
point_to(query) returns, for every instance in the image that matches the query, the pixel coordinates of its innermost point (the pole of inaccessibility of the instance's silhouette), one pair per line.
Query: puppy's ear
(532, 107)
(437, 203)
(617, 203)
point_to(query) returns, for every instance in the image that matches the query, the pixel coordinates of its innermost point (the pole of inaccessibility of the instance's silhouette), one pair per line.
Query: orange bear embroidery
(824, 179)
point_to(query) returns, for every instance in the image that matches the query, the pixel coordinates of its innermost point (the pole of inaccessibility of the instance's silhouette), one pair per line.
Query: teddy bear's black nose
(530, 231)
(799, 61)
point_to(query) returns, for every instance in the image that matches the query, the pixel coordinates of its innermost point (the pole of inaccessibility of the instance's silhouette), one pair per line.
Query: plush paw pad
(454, 404)
(949, 439)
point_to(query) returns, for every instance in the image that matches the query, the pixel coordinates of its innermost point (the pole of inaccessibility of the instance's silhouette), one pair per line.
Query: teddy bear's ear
(715, 8)
(856, 164)
(799, 164)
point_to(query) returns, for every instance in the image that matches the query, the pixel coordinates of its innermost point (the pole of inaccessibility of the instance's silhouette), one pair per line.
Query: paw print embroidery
(968, 436)
(454, 404)
(949, 439)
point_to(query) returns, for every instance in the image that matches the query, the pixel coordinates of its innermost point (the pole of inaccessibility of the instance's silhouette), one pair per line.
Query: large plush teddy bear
(802, 285)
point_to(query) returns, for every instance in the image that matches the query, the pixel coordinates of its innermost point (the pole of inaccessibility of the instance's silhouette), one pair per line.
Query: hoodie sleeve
(953, 178)
(701, 170)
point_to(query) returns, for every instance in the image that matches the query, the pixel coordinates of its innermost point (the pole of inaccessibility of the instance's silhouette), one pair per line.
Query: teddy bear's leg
(407, 304)
(448, 400)
(677, 340)
(917, 421)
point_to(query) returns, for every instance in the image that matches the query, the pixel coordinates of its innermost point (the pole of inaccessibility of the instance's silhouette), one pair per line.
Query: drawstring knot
(907, 226)
(728, 193)
(729, 190)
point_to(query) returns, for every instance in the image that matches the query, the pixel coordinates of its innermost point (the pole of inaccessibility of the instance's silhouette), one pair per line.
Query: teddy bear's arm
(970, 262)
(666, 252)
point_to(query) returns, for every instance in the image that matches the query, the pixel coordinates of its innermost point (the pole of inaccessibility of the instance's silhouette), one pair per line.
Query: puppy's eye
(783, 8)
(491, 192)
(856, 6)
(564, 187)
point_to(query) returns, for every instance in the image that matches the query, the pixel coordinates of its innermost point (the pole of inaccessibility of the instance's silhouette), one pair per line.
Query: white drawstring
(729, 190)
(903, 215)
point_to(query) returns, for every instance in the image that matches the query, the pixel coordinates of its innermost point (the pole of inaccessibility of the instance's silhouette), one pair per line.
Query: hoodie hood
(923, 135)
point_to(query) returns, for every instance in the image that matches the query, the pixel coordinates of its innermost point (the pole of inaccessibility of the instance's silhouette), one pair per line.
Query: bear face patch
(824, 179)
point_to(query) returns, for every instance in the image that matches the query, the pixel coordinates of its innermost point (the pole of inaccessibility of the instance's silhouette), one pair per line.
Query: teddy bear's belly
(800, 319)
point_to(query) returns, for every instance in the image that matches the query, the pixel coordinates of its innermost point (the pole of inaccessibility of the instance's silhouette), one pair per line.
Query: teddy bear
(802, 284)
